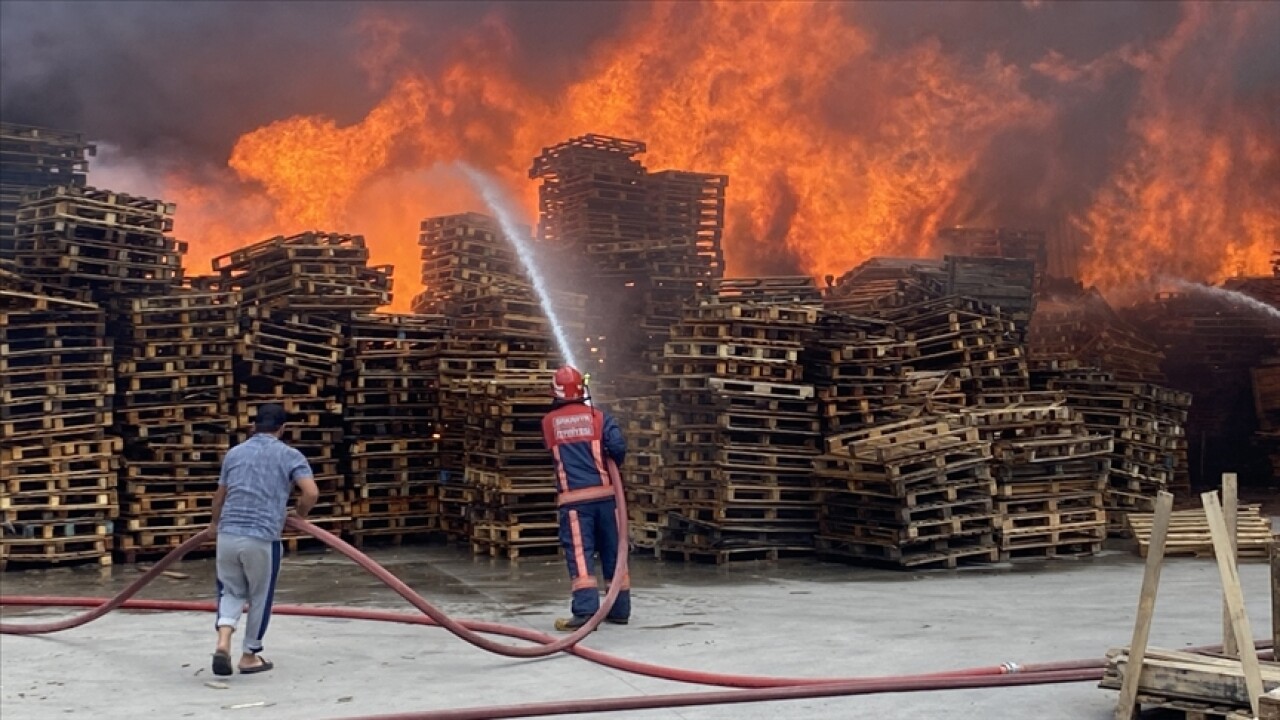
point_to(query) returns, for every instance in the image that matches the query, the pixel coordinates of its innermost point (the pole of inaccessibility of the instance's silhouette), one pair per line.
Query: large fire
(837, 149)
(1196, 194)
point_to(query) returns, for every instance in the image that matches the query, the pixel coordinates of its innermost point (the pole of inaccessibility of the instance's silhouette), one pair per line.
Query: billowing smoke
(1142, 136)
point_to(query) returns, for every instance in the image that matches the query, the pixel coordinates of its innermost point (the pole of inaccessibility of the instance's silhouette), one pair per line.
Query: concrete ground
(794, 618)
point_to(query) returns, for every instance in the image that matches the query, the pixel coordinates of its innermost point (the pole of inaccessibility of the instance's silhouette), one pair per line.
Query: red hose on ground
(724, 697)
(661, 672)
(547, 645)
(760, 688)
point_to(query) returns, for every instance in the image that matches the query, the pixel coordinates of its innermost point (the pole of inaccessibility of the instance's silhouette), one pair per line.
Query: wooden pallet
(1189, 533)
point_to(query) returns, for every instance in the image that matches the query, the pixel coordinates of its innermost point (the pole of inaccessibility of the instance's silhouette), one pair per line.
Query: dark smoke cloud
(183, 80)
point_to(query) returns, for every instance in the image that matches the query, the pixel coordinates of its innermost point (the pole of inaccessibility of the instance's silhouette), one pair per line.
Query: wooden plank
(1128, 704)
(1235, 597)
(1230, 508)
(1275, 595)
(1171, 677)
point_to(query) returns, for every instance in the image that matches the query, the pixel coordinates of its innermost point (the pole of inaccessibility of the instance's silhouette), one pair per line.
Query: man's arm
(614, 443)
(302, 476)
(310, 494)
(219, 498)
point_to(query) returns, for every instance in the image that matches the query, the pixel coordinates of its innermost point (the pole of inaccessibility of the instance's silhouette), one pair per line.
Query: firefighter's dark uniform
(579, 438)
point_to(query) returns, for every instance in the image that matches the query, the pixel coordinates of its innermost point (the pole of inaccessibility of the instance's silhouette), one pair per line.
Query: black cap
(271, 417)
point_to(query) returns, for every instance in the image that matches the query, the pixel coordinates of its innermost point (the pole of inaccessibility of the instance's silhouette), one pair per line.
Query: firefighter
(583, 439)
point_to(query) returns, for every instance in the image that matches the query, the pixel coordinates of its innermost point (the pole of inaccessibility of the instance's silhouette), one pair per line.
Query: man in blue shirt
(249, 512)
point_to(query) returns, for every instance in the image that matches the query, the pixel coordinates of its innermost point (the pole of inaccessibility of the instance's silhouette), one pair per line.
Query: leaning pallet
(917, 493)
(391, 406)
(174, 361)
(57, 463)
(741, 435)
(1051, 473)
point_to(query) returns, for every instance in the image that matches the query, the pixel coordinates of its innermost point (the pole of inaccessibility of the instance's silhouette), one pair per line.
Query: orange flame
(836, 149)
(1195, 196)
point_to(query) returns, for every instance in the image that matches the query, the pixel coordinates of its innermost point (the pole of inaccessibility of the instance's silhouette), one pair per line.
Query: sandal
(222, 664)
(265, 666)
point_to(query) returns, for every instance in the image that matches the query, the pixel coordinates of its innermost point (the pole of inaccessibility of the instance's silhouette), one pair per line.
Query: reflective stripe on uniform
(587, 494)
(582, 579)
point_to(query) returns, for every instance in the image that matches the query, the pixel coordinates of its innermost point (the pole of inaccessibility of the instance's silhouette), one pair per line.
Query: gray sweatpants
(247, 570)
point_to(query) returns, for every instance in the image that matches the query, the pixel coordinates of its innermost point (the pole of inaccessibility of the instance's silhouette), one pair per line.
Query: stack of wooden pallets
(57, 463)
(1078, 330)
(643, 424)
(1003, 283)
(461, 254)
(1189, 533)
(1051, 472)
(464, 361)
(1211, 344)
(33, 158)
(877, 283)
(310, 272)
(295, 360)
(966, 336)
(391, 409)
(641, 244)
(174, 359)
(683, 253)
(1011, 243)
(508, 468)
(594, 201)
(860, 369)
(498, 485)
(1266, 402)
(917, 493)
(109, 243)
(742, 433)
(1147, 423)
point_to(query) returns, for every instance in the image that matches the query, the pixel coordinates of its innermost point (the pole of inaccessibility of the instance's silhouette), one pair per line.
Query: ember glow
(843, 137)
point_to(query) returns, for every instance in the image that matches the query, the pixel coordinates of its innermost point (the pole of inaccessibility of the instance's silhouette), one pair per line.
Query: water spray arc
(500, 205)
(1230, 296)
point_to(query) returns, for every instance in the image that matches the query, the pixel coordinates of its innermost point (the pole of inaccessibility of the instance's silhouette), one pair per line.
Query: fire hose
(755, 688)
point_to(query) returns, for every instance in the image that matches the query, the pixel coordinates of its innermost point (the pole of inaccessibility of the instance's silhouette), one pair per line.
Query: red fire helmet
(567, 384)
